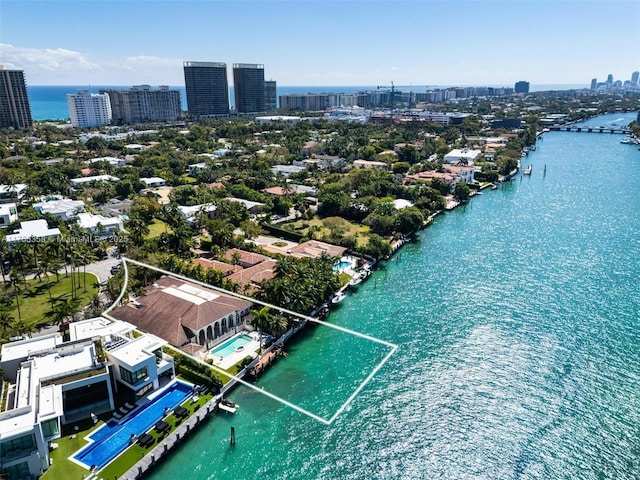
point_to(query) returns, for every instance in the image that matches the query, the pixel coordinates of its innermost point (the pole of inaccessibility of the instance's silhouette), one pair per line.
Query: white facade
(113, 161)
(464, 155)
(8, 214)
(153, 182)
(99, 225)
(33, 229)
(63, 208)
(94, 179)
(370, 164)
(14, 192)
(89, 109)
(57, 383)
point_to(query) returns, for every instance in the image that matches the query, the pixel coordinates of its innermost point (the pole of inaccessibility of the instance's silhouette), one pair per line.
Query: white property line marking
(392, 346)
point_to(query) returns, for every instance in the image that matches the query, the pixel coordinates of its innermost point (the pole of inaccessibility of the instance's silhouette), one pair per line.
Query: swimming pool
(230, 346)
(113, 437)
(342, 265)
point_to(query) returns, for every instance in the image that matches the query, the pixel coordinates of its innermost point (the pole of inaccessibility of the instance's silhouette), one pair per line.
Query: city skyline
(312, 43)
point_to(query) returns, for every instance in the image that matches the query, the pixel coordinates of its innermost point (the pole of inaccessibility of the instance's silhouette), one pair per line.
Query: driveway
(102, 269)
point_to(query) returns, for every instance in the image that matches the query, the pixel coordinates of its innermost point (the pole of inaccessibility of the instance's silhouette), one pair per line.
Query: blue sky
(315, 42)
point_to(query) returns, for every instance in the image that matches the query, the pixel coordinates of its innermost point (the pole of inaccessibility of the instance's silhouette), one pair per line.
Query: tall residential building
(634, 78)
(207, 89)
(594, 83)
(88, 109)
(522, 87)
(14, 102)
(248, 85)
(141, 104)
(270, 97)
(610, 79)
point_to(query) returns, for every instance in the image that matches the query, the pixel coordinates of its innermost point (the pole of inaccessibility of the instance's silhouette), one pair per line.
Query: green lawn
(302, 227)
(188, 179)
(156, 228)
(35, 303)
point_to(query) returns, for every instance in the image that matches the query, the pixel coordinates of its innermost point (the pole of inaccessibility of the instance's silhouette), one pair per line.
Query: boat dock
(265, 362)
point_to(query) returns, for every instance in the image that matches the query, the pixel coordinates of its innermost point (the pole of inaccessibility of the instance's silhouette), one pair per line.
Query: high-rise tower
(594, 83)
(634, 78)
(248, 85)
(14, 102)
(522, 87)
(270, 97)
(207, 89)
(88, 109)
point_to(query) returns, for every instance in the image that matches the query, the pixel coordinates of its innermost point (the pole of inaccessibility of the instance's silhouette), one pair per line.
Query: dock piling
(233, 436)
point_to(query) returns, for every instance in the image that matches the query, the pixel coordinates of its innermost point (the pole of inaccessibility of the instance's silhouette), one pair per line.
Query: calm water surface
(517, 318)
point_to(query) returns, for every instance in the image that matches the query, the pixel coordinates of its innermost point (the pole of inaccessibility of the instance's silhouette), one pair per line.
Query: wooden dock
(266, 360)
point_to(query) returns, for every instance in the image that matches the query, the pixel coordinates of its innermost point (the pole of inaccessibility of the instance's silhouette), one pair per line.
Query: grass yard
(156, 228)
(302, 227)
(34, 301)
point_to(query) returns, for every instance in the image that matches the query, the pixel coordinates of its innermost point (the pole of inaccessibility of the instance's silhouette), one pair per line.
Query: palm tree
(6, 321)
(262, 321)
(16, 281)
(4, 250)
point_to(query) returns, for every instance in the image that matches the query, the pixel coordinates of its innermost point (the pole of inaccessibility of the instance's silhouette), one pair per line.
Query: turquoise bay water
(517, 320)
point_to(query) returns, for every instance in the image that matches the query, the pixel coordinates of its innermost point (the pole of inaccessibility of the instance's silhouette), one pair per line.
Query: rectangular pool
(231, 345)
(111, 439)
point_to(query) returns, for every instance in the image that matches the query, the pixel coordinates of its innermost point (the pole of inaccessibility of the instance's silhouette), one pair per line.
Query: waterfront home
(462, 155)
(63, 208)
(310, 249)
(225, 268)
(461, 173)
(184, 313)
(33, 229)
(8, 214)
(251, 277)
(243, 258)
(54, 383)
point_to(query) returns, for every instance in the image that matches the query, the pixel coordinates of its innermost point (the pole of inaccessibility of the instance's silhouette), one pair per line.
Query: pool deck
(161, 450)
(229, 360)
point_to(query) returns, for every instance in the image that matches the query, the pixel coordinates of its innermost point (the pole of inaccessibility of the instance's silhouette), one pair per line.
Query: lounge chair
(123, 410)
(129, 406)
(117, 415)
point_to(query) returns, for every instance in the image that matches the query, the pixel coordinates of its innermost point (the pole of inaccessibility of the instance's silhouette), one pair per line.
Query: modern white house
(12, 193)
(153, 182)
(80, 181)
(54, 383)
(189, 212)
(8, 214)
(462, 155)
(63, 208)
(113, 161)
(370, 164)
(196, 168)
(98, 224)
(33, 229)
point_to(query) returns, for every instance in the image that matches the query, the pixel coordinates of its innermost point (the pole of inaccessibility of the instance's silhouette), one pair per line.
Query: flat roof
(23, 348)
(135, 351)
(64, 361)
(98, 326)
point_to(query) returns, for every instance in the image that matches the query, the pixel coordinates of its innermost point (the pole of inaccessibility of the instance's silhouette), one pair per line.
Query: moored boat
(337, 298)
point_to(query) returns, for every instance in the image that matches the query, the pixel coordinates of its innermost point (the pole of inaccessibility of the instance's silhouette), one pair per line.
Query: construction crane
(392, 97)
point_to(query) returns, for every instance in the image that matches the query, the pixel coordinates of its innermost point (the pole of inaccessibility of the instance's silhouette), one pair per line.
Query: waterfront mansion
(52, 383)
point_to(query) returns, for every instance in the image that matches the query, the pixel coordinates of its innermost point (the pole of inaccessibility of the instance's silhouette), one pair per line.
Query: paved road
(102, 269)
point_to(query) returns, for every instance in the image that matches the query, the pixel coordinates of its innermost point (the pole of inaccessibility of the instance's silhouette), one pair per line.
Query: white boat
(227, 406)
(337, 298)
(628, 140)
(527, 171)
(357, 279)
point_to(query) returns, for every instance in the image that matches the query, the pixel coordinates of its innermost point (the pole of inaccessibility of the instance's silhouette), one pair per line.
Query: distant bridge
(570, 128)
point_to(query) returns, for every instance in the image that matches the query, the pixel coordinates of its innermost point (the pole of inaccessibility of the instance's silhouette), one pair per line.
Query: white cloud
(61, 66)
(56, 60)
